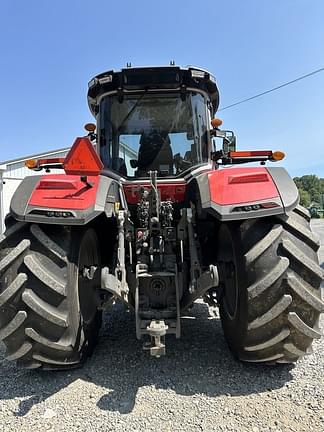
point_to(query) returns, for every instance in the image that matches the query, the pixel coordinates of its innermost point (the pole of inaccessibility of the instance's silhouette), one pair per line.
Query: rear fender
(245, 193)
(66, 199)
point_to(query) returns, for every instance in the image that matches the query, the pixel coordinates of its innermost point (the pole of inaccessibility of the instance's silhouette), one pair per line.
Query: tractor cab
(153, 119)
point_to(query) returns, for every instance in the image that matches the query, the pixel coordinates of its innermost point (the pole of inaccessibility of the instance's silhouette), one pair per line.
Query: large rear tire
(48, 308)
(271, 298)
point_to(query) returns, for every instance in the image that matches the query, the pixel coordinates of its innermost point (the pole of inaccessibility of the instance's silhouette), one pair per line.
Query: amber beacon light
(216, 122)
(278, 155)
(31, 163)
(90, 127)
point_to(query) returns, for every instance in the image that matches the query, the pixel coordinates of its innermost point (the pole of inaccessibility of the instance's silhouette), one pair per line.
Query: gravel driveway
(198, 386)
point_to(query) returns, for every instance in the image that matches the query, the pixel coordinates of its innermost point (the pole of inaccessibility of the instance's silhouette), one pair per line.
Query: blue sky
(51, 49)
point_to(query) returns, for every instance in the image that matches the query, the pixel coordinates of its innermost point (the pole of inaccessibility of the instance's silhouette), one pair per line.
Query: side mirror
(229, 142)
(133, 163)
(228, 138)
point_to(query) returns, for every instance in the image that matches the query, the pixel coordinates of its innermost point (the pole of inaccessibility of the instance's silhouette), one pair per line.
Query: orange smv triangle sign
(82, 159)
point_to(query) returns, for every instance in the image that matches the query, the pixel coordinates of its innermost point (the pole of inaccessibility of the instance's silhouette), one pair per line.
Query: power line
(273, 89)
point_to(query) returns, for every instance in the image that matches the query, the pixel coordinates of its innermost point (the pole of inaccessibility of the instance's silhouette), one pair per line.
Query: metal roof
(51, 152)
(34, 156)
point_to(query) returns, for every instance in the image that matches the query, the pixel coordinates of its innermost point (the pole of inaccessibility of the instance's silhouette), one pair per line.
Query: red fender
(241, 185)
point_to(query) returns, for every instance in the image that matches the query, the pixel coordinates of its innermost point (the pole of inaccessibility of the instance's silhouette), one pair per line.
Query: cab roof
(152, 78)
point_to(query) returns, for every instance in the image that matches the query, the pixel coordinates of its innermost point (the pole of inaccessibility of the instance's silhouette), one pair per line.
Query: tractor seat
(155, 154)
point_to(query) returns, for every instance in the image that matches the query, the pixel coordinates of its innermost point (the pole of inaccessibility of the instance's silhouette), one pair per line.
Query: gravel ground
(198, 386)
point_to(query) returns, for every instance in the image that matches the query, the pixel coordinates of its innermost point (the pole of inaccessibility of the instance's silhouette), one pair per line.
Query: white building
(12, 172)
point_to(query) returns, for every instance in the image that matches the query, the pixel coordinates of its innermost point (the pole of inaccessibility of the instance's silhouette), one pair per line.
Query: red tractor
(151, 212)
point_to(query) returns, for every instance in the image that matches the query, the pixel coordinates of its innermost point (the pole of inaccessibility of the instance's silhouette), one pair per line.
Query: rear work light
(254, 207)
(59, 214)
(195, 73)
(52, 213)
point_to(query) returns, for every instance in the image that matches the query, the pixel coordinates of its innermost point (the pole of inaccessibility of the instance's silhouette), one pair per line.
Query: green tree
(310, 188)
(304, 198)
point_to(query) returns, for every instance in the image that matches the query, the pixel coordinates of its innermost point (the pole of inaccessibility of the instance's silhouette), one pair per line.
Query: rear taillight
(255, 207)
